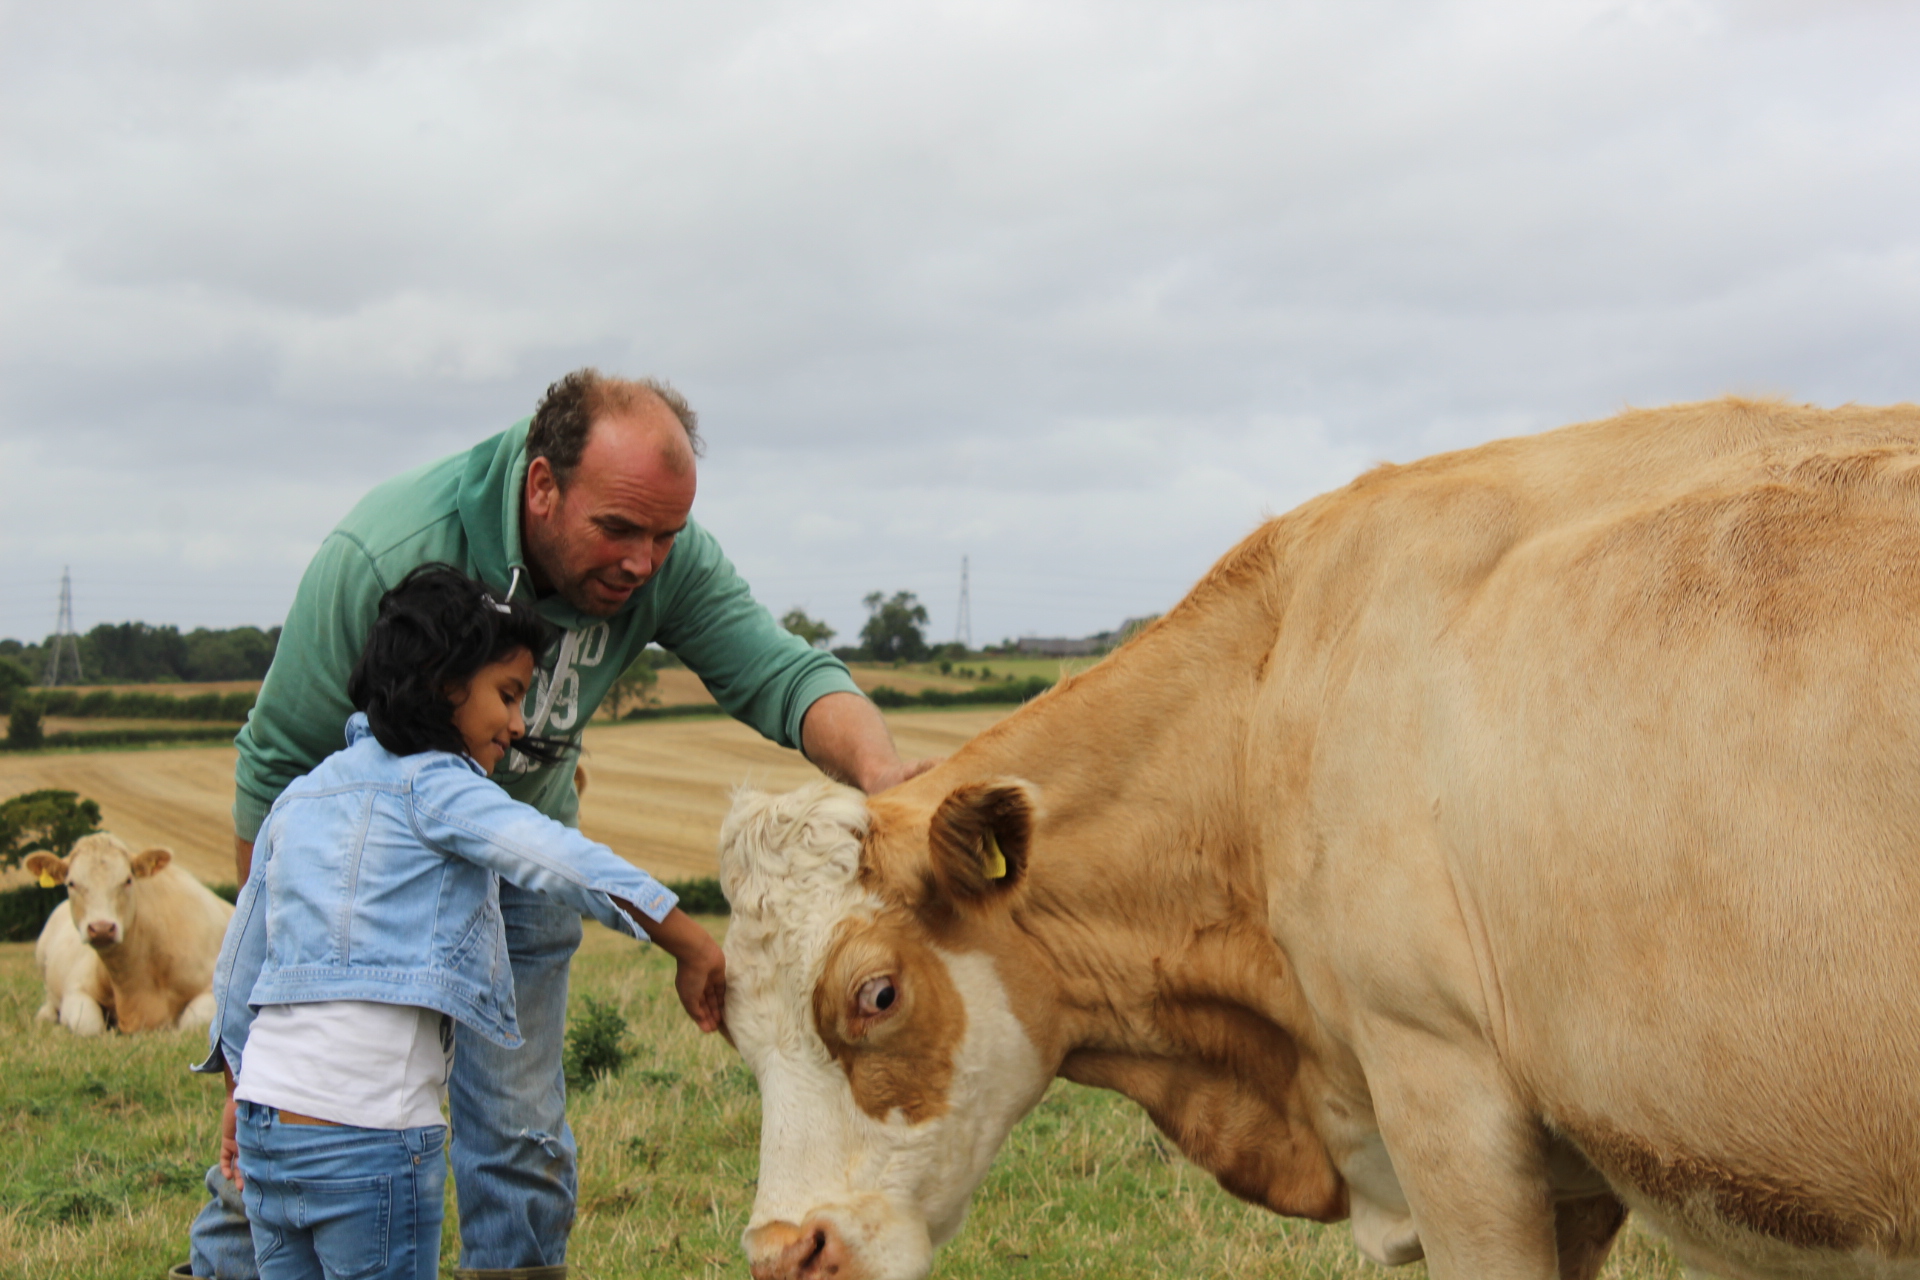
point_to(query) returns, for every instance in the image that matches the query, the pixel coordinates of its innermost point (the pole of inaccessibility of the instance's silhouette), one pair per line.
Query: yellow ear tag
(47, 881)
(996, 860)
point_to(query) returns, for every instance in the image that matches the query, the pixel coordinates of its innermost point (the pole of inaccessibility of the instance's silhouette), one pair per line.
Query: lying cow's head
(890, 1060)
(99, 876)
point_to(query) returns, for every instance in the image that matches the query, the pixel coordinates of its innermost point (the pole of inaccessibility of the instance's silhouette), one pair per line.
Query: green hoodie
(465, 511)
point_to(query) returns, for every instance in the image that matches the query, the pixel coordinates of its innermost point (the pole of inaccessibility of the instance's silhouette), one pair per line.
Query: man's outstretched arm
(845, 736)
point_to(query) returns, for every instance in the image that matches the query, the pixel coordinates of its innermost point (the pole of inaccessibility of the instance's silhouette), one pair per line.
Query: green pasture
(109, 1139)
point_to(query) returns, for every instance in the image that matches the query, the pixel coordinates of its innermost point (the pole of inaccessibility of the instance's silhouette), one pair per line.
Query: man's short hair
(571, 406)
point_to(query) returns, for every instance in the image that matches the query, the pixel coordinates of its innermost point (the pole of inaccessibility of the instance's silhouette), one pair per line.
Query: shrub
(46, 821)
(24, 911)
(596, 1044)
(701, 897)
(23, 727)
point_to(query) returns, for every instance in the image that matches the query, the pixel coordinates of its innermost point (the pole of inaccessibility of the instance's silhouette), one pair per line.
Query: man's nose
(638, 564)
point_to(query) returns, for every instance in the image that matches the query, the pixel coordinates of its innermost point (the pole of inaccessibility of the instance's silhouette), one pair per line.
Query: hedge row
(24, 911)
(680, 710)
(142, 706)
(986, 695)
(136, 737)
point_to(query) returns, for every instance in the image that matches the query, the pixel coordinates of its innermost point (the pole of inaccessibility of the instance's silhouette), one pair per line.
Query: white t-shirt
(357, 1062)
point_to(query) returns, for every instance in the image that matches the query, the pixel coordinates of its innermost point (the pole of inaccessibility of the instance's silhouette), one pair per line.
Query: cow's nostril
(813, 1256)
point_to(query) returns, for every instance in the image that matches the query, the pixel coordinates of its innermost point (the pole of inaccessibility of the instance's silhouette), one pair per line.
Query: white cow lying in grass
(137, 941)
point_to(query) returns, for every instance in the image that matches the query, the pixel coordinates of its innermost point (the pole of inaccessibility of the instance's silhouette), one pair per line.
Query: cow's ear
(48, 867)
(980, 839)
(146, 864)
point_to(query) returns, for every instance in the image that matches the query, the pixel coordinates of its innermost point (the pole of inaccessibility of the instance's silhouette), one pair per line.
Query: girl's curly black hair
(435, 630)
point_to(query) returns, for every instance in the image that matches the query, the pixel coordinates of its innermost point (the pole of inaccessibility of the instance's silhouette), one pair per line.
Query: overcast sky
(1080, 291)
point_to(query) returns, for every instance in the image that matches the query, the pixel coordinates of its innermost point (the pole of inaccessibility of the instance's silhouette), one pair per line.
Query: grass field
(109, 1138)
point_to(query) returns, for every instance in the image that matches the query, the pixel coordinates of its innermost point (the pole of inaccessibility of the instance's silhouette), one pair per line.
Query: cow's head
(890, 1059)
(100, 875)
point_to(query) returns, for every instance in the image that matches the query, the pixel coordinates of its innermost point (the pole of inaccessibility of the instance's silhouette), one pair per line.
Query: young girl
(371, 921)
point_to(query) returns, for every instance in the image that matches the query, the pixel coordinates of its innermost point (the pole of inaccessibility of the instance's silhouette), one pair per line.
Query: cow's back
(1622, 725)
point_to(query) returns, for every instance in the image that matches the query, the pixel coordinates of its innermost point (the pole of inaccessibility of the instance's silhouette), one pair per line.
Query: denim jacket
(377, 877)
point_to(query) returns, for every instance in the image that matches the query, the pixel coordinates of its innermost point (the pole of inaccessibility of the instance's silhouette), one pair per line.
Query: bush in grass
(23, 727)
(701, 897)
(596, 1043)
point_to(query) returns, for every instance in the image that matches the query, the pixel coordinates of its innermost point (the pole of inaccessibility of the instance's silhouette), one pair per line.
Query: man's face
(598, 540)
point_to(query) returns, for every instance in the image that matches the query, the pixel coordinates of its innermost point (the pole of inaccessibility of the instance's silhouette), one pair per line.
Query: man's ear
(543, 488)
(48, 867)
(980, 839)
(145, 864)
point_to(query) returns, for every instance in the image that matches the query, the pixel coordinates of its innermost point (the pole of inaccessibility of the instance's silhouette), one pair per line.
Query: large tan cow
(137, 941)
(1480, 851)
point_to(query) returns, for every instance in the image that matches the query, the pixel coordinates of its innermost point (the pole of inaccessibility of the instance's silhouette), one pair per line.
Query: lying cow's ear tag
(48, 882)
(996, 860)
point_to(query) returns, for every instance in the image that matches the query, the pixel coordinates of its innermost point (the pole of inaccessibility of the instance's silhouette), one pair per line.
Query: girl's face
(486, 710)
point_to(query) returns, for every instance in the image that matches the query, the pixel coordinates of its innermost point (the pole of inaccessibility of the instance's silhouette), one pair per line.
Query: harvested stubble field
(109, 1138)
(656, 794)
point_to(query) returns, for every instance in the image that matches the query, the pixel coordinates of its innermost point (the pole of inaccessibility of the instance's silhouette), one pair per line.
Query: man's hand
(700, 976)
(230, 1144)
(845, 736)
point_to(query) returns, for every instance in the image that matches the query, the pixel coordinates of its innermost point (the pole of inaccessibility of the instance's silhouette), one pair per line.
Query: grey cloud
(1077, 289)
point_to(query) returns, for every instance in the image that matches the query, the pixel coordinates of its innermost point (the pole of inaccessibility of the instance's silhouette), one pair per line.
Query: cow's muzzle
(811, 1251)
(102, 933)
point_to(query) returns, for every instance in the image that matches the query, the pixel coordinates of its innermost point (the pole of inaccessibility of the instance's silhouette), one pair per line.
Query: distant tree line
(139, 653)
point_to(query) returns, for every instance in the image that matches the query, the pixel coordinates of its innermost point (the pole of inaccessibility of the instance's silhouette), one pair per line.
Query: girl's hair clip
(497, 606)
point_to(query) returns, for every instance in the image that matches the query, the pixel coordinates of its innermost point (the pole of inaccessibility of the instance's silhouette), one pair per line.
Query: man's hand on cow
(846, 738)
(230, 1144)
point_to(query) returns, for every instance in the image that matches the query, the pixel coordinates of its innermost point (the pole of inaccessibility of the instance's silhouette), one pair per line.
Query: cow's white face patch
(100, 875)
(890, 1070)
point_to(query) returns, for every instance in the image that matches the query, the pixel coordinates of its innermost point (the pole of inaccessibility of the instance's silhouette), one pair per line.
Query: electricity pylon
(64, 639)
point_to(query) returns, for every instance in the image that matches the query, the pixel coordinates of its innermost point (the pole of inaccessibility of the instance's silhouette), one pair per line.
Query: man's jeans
(334, 1200)
(513, 1154)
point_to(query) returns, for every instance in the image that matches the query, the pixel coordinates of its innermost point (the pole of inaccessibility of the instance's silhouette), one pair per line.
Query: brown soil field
(656, 794)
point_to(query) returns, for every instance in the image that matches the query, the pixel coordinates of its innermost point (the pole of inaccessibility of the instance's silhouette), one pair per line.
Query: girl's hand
(230, 1145)
(701, 976)
(700, 979)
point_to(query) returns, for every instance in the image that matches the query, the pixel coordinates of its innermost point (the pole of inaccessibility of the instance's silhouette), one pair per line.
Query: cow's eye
(876, 996)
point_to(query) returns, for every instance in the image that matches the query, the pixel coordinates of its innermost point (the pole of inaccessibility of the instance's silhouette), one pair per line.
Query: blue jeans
(340, 1202)
(513, 1154)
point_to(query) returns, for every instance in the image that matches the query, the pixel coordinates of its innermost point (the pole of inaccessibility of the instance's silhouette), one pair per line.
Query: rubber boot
(511, 1273)
(181, 1271)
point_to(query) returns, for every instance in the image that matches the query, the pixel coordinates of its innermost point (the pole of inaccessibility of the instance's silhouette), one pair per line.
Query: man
(585, 508)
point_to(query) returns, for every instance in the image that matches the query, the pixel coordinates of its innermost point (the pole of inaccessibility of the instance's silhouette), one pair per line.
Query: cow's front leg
(198, 1013)
(82, 1015)
(1471, 1160)
(1584, 1230)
